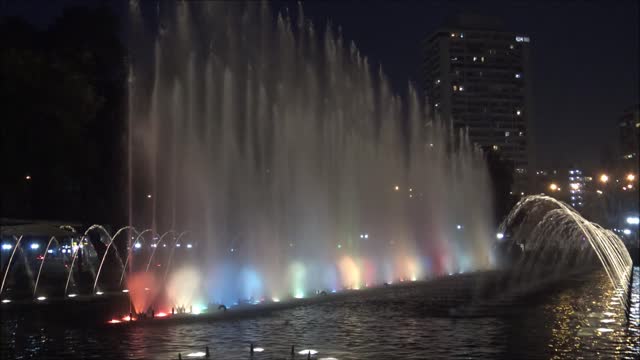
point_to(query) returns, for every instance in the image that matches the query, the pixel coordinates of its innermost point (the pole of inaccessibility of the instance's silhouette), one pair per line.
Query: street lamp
(631, 177)
(604, 178)
(553, 187)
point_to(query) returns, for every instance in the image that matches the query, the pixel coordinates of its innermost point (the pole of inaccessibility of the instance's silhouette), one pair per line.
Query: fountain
(289, 158)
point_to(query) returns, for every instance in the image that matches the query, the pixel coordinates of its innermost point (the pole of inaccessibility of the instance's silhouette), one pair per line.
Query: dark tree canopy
(62, 90)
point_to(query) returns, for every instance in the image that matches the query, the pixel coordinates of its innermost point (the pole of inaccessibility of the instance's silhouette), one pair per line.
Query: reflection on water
(581, 321)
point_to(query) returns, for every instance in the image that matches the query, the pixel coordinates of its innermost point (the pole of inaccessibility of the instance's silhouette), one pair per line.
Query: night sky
(584, 57)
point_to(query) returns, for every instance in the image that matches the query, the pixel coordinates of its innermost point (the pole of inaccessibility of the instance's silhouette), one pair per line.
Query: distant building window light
(495, 147)
(453, 34)
(570, 171)
(518, 75)
(437, 104)
(461, 88)
(455, 87)
(522, 134)
(506, 134)
(482, 58)
(461, 35)
(522, 39)
(518, 112)
(475, 58)
(438, 81)
(511, 46)
(454, 58)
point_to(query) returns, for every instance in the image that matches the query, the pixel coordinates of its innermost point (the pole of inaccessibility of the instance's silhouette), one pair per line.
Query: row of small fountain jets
(137, 237)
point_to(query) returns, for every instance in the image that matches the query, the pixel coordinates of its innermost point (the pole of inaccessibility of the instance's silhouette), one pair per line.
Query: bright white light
(275, 299)
(458, 227)
(177, 245)
(499, 235)
(633, 220)
(99, 293)
(298, 295)
(258, 349)
(6, 301)
(73, 295)
(189, 246)
(575, 186)
(328, 358)
(604, 330)
(154, 245)
(137, 245)
(50, 251)
(196, 354)
(307, 352)
(125, 290)
(41, 298)
(366, 236)
(35, 246)
(518, 112)
(148, 196)
(6, 246)
(626, 231)
(164, 245)
(361, 236)
(607, 321)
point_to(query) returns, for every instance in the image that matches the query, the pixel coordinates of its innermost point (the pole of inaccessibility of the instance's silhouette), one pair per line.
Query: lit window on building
(506, 134)
(455, 87)
(522, 39)
(495, 147)
(482, 58)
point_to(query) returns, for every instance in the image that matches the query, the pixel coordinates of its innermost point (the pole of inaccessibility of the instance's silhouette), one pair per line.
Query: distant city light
(41, 298)
(177, 245)
(148, 196)
(633, 220)
(6, 301)
(366, 236)
(34, 246)
(458, 227)
(553, 187)
(72, 295)
(518, 112)
(197, 354)
(626, 232)
(99, 293)
(28, 177)
(631, 177)
(125, 290)
(500, 235)
(599, 192)
(258, 349)
(137, 245)
(50, 251)
(275, 299)
(604, 178)
(189, 246)
(396, 188)
(6, 246)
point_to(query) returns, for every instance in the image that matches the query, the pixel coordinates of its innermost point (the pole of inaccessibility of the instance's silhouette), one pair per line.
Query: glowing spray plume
(143, 290)
(184, 287)
(549, 234)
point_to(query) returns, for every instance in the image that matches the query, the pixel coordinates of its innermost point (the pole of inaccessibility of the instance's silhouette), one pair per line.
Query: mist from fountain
(280, 147)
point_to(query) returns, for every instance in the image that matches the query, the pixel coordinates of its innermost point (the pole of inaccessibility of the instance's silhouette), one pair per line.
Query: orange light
(553, 187)
(631, 177)
(604, 178)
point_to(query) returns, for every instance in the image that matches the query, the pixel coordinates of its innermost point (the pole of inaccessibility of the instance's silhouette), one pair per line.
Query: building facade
(477, 76)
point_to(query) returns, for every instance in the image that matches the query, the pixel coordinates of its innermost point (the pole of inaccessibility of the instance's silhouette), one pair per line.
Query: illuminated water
(289, 159)
(392, 323)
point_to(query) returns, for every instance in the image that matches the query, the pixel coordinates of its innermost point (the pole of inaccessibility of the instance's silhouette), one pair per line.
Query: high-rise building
(576, 187)
(629, 124)
(477, 76)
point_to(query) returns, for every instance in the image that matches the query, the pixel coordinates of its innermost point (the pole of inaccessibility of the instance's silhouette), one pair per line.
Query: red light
(40, 257)
(127, 318)
(161, 314)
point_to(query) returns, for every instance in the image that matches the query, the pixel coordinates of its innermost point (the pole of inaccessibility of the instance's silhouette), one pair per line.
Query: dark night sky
(585, 57)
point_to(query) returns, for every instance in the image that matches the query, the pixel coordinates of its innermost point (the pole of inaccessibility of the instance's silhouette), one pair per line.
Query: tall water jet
(279, 147)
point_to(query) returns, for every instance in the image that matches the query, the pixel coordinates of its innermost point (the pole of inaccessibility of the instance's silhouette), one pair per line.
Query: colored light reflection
(161, 314)
(258, 349)
(114, 321)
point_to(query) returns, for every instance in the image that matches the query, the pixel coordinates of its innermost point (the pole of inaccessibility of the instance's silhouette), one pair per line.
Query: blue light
(6, 246)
